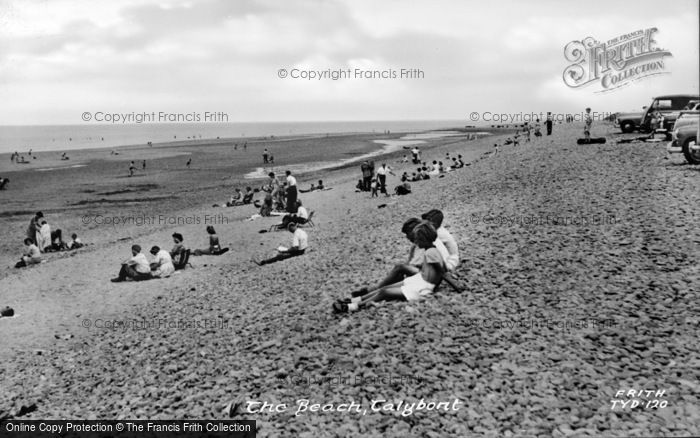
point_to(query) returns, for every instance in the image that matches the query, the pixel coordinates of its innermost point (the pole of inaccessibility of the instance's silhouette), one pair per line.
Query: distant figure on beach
(3, 183)
(44, 236)
(64, 156)
(31, 255)
(265, 156)
(300, 241)
(374, 186)
(291, 193)
(135, 268)
(548, 123)
(538, 133)
(313, 187)
(381, 176)
(189, 162)
(415, 153)
(404, 188)
(411, 288)
(404, 159)
(272, 159)
(143, 165)
(587, 123)
(367, 174)
(214, 247)
(34, 226)
(495, 149)
(235, 146)
(245, 146)
(132, 168)
(75, 242)
(162, 265)
(236, 198)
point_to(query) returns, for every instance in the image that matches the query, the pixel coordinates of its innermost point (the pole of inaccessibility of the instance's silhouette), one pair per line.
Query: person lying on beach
(436, 217)
(300, 241)
(162, 265)
(31, 255)
(403, 189)
(136, 268)
(3, 183)
(300, 217)
(411, 288)
(214, 247)
(75, 242)
(313, 187)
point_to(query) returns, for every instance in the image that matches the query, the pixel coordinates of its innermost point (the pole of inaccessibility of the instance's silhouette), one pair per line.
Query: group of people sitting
(426, 171)
(165, 263)
(40, 239)
(239, 198)
(433, 254)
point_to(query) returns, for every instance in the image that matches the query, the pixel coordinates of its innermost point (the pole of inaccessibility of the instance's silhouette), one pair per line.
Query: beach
(577, 268)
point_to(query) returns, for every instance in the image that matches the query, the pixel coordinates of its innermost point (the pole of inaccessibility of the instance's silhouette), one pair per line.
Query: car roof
(691, 96)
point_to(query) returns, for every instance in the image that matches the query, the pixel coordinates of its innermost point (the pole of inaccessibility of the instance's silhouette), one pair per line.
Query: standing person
(189, 162)
(538, 133)
(495, 149)
(300, 241)
(291, 193)
(136, 268)
(132, 168)
(143, 165)
(275, 189)
(548, 123)
(44, 236)
(381, 176)
(245, 146)
(588, 122)
(265, 154)
(366, 175)
(34, 226)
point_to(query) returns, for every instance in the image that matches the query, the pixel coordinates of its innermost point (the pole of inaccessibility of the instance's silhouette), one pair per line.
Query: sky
(61, 58)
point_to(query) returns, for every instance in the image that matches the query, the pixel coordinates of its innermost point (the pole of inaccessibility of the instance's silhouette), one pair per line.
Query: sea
(42, 138)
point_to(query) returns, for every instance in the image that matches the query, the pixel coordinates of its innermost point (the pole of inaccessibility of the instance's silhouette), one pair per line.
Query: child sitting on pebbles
(412, 288)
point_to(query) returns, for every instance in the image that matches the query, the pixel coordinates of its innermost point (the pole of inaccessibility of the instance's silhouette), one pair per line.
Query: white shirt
(451, 244)
(383, 170)
(301, 239)
(165, 264)
(291, 180)
(140, 264)
(302, 213)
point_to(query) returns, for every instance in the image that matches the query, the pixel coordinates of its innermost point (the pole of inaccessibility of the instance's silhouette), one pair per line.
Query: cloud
(63, 57)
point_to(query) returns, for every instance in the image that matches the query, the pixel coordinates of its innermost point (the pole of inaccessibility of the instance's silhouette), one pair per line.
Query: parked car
(685, 137)
(668, 106)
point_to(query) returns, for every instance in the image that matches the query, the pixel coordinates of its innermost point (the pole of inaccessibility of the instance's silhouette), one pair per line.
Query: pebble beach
(579, 274)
